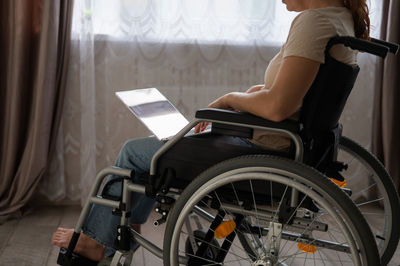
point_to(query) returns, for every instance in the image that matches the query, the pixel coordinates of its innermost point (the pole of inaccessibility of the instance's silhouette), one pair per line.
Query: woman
(287, 79)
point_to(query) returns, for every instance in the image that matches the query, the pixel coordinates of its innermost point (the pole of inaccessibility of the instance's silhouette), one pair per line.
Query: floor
(27, 241)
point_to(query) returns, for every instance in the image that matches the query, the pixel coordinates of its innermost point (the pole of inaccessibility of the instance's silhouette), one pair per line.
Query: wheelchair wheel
(245, 204)
(374, 193)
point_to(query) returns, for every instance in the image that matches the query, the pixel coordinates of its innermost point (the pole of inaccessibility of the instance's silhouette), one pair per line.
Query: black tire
(296, 173)
(387, 243)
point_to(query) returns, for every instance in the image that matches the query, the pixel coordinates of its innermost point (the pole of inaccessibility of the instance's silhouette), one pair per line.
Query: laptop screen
(154, 111)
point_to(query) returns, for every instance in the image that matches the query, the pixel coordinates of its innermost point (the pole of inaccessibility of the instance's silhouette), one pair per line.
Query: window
(205, 21)
(212, 21)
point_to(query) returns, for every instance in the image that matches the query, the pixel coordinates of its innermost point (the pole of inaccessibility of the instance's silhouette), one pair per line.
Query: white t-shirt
(309, 33)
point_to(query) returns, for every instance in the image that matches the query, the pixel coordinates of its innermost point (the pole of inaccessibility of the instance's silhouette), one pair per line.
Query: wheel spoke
(255, 207)
(246, 224)
(362, 191)
(369, 202)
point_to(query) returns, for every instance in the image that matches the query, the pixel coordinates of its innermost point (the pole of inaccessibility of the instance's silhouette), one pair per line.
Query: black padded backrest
(325, 100)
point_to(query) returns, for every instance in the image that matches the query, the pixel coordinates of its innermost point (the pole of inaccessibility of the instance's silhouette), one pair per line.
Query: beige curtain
(386, 141)
(34, 44)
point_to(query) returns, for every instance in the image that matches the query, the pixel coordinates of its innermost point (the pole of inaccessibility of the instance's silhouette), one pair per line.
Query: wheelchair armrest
(246, 119)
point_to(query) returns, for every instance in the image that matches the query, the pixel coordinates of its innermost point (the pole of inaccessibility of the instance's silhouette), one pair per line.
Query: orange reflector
(224, 229)
(339, 183)
(306, 248)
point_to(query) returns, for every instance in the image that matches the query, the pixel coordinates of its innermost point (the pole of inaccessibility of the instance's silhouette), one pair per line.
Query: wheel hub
(266, 262)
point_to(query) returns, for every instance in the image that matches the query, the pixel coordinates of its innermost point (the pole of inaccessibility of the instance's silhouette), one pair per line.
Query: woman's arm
(283, 98)
(202, 126)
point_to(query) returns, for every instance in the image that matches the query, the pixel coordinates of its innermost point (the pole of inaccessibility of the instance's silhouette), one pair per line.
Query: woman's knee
(128, 147)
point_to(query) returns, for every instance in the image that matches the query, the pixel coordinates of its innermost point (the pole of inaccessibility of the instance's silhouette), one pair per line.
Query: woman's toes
(61, 237)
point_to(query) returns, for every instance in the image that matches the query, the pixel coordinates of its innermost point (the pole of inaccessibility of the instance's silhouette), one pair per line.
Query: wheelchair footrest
(73, 260)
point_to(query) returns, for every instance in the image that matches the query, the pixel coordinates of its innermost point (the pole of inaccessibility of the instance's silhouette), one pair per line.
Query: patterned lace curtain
(193, 51)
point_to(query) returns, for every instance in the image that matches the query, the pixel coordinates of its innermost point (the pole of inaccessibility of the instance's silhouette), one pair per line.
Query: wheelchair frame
(125, 233)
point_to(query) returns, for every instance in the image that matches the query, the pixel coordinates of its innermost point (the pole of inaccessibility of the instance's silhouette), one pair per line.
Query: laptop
(154, 110)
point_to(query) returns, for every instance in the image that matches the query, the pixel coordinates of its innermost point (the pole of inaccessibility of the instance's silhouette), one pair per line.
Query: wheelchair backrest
(326, 98)
(324, 102)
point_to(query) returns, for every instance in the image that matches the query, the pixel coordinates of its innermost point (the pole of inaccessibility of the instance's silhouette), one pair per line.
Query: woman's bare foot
(86, 246)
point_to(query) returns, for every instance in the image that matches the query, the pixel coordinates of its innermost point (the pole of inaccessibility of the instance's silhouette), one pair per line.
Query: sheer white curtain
(193, 51)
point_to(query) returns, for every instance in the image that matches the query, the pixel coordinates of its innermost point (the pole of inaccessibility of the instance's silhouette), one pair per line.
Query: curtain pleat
(34, 55)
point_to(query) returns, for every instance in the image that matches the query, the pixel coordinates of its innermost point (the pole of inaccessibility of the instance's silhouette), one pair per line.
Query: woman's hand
(200, 127)
(220, 103)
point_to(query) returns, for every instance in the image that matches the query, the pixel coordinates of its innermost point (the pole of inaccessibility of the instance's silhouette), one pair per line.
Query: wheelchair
(232, 205)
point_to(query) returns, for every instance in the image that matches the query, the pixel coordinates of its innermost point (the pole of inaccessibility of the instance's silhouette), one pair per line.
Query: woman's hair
(360, 12)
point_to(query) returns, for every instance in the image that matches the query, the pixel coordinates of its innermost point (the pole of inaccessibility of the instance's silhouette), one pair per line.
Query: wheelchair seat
(193, 154)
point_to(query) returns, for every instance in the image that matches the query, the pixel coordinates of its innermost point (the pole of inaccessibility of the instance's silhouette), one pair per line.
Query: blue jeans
(136, 154)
